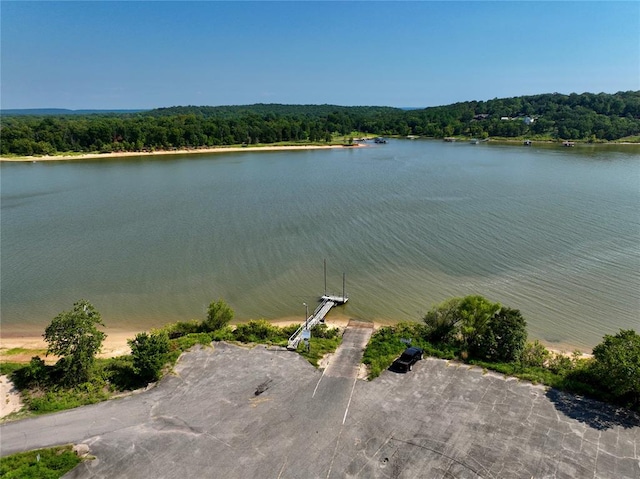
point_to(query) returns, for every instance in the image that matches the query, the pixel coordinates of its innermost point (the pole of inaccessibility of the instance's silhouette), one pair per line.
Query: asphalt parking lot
(235, 412)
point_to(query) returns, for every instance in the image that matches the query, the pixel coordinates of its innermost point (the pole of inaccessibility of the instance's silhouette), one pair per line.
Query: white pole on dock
(325, 276)
(306, 318)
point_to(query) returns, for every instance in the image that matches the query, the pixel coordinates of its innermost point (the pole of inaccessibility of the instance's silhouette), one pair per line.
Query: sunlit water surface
(553, 232)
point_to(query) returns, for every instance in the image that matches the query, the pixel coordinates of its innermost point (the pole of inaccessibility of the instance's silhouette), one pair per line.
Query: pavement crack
(174, 424)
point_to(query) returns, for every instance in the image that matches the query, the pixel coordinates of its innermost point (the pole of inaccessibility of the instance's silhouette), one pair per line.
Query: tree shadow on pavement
(594, 414)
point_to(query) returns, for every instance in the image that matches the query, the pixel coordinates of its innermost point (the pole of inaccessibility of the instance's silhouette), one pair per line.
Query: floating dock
(327, 301)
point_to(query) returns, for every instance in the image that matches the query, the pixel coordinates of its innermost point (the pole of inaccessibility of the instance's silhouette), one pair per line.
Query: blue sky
(121, 55)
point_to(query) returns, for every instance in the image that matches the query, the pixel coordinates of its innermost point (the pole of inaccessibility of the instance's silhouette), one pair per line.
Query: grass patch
(49, 463)
(386, 345)
(9, 368)
(628, 139)
(318, 347)
(16, 351)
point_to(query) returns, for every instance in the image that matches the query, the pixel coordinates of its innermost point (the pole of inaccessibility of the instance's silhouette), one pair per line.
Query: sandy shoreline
(123, 154)
(115, 343)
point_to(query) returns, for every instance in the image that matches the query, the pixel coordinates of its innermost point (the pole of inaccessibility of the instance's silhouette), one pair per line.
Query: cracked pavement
(235, 412)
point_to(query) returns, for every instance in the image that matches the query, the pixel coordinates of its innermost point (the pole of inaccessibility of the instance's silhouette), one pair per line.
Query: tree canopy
(149, 354)
(74, 336)
(585, 116)
(483, 329)
(617, 364)
(219, 315)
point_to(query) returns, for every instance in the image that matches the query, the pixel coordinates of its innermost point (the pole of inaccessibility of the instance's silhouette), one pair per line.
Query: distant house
(505, 118)
(481, 116)
(528, 120)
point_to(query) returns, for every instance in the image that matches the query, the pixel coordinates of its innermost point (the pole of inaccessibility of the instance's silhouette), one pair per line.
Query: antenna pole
(325, 276)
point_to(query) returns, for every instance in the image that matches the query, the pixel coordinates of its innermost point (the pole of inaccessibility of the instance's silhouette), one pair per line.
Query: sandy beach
(21, 348)
(201, 151)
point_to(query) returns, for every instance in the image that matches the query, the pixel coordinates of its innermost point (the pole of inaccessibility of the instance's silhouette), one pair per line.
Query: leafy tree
(219, 315)
(74, 336)
(476, 312)
(508, 335)
(441, 321)
(148, 351)
(617, 364)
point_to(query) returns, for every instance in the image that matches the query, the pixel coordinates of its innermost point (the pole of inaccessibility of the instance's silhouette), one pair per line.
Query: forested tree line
(587, 116)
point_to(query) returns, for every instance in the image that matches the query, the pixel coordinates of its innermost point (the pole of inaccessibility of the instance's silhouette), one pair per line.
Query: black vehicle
(406, 361)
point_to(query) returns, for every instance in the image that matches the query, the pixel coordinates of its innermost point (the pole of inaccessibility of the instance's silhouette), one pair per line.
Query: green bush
(534, 355)
(184, 343)
(180, 328)
(321, 331)
(223, 334)
(34, 374)
(59, 399)
(290, 329)
(558, 363)
(117, 373)
(149, 354)
(219, 315)
(616, 366)
(259, 331)
(39, 464)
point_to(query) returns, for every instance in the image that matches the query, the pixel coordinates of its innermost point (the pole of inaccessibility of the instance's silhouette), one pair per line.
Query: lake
(548, 230)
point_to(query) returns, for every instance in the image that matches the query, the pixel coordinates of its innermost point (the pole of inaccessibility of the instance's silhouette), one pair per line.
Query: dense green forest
(554, 116)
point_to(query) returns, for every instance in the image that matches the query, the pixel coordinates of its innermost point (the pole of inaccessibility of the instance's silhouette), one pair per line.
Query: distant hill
(59, 111)
(231, 111)
(585, 116)
(552, 116)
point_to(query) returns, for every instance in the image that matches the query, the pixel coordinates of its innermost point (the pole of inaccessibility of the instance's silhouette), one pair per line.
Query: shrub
(180, 328)
(219, 315)
(534, 355)
(223, 334)
(558, 363)
(259, 331)
(507, 334)
(149, 354)
(35, 374)
(185, 342)
(41, 463)
(290, 329)
(441, 321)
(322, 331)
(617, 365)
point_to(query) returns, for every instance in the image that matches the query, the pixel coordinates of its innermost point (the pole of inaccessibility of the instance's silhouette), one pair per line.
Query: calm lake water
(551, 231)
